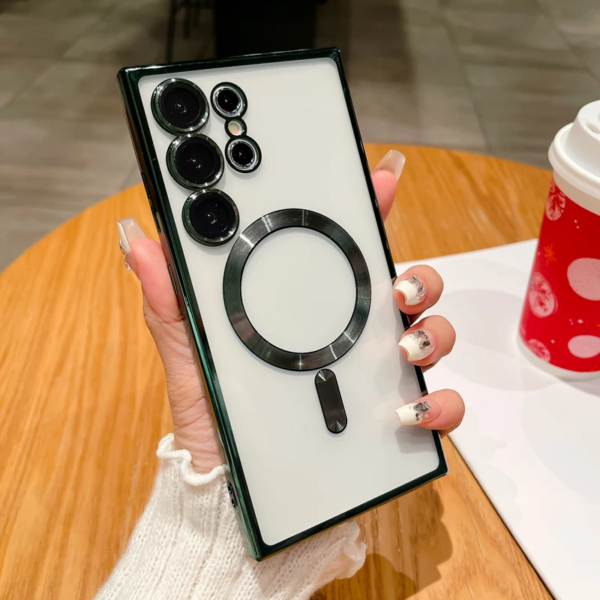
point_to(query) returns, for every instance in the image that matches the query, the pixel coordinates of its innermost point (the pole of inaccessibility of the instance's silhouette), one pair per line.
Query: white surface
(299, 474)
(531, 440)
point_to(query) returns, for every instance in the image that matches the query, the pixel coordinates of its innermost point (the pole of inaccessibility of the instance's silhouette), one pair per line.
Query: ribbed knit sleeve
(187, 545)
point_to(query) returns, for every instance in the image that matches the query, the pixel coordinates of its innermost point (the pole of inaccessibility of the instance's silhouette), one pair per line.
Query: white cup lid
(575, 152)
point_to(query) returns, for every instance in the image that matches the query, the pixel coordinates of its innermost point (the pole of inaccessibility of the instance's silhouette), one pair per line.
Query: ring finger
(429, 340)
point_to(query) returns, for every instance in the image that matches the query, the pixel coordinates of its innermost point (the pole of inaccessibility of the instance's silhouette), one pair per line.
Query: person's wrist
(205, 453)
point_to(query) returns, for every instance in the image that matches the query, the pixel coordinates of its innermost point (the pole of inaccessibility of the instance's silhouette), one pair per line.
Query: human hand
(425, 343)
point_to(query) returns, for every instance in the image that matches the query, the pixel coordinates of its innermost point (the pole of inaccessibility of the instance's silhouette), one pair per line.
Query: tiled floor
(493, 76)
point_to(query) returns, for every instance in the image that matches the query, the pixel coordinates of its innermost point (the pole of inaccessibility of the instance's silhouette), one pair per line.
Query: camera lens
(195, 161)
(229, 100)
(243, 154)
(179, 106)
(210, 217)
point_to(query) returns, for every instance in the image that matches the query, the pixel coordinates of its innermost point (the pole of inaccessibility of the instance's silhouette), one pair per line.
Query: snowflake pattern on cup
(539, 349)
(555, 205)
(541, 297)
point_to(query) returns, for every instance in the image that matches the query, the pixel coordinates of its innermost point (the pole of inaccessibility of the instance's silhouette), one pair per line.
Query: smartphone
(260, 190)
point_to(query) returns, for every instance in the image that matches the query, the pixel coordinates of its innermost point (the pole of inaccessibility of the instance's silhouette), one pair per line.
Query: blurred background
(491, 76)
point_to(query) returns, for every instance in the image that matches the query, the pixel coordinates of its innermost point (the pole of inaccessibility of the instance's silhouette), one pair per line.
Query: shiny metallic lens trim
(160, 118)
(239, 111)
(172, 155)
(234, 305)
(187, 222)
(232, 143)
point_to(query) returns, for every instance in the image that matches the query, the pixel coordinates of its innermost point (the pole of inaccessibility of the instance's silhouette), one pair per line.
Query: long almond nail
(417, 412)
(393, 162)
(413, 290)
(417, 345)
(129, 230)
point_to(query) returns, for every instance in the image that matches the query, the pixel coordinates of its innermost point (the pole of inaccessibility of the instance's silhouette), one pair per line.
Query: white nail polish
(413, 290)
(413, 413)
(393, 162)
(129, 229)
(417, 345)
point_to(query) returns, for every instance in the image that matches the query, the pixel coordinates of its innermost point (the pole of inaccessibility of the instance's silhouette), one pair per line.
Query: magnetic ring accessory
(228, 100)
(243, 154)
(195, 161)
(210, 217)
(179, 106)
(235, 127)
(234, 305)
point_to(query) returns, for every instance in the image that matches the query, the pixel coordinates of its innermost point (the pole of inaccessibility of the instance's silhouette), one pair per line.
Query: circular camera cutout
(195, 161)
(210, 217)
(228, 100)
(179, 106)
(243, 154)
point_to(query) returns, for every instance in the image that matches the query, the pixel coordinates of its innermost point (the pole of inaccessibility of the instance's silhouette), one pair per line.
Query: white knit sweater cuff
(187, 545)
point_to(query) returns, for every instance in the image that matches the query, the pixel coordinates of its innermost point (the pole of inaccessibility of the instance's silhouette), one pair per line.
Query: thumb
(161, 311)
(192, 420)
(385, 178)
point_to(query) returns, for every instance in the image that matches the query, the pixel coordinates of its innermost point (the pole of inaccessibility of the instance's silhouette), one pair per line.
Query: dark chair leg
(187, 25)
(196, 12)
(171, 31)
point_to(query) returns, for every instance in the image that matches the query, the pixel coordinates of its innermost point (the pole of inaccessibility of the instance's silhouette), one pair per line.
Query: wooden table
(83, 402)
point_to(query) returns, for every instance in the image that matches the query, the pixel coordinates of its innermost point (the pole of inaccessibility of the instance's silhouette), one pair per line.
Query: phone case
(293, 319)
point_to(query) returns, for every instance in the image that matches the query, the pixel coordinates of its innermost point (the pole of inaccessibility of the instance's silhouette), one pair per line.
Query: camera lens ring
(172, 154)
(223, 112)
(247, 141)
(233, 214)
(158, 97)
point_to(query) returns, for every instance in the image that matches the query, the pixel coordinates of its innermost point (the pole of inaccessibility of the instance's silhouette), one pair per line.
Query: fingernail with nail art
(413, 290)
(393, 162)
(129, 230)
(415, 413)
(417, 344)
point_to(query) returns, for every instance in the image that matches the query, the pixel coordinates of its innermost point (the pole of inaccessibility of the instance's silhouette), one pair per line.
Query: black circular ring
(232, 289)
(156, 111)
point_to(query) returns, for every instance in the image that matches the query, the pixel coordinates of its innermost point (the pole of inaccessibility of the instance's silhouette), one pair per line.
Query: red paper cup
(560, 323)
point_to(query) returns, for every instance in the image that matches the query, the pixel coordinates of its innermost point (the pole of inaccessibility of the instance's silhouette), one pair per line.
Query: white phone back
(299, 292)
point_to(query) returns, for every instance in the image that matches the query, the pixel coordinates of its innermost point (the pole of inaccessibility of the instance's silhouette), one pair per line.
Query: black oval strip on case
(331, 401)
